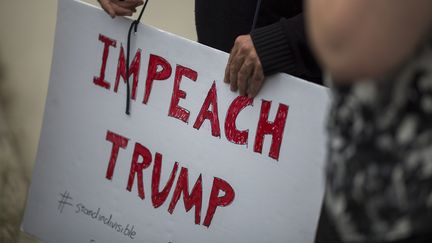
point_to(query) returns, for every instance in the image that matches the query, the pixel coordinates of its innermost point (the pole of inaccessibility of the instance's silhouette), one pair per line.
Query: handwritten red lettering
(190, 200)
(217, 201)
(101, 79)
(138, 167)
(175, 110)
(134, 69)
(117, 143)
(213, 115)
(159, 69)
(156, 62)
(231, 132)
(158, 198)
(275, 128)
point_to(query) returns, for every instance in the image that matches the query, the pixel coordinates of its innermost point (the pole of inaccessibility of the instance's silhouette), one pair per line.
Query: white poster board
(192, 163)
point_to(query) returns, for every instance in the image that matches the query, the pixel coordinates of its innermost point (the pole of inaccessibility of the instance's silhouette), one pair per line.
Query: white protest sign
(192, 163)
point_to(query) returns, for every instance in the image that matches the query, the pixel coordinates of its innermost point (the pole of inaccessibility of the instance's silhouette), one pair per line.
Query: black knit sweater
(279, 37)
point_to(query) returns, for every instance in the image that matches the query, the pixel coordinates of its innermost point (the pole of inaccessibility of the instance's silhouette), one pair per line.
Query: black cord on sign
(257, 9)
(133, 26)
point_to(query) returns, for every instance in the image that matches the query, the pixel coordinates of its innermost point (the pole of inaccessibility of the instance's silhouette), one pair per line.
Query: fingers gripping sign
(120, 7)
(244, 71)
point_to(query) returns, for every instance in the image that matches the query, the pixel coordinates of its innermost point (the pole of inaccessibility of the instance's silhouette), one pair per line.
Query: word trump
(159, 69)
(142, 159)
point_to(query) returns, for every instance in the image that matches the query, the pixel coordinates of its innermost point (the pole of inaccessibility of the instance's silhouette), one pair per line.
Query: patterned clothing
(379, 168)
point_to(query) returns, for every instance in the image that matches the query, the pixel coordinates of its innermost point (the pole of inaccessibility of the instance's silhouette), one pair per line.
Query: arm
(359, 39)
(283, 47)
(279, 47)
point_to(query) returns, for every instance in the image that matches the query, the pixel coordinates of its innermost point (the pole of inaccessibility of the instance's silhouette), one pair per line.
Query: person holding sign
(265, 37)
(379, 57)
(276, 43)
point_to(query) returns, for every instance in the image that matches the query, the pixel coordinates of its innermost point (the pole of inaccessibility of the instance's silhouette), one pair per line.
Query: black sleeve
(283, 47)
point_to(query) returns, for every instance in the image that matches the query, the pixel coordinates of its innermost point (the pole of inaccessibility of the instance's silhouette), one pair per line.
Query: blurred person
(378, 56)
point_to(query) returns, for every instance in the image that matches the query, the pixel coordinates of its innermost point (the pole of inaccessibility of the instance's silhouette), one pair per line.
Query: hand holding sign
(120, 8)
(244, 70)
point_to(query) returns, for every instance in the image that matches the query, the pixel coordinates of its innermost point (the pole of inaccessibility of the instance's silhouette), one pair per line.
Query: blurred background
(26, 45)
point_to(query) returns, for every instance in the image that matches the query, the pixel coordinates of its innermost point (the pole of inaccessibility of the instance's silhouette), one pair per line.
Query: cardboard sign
(194, 162)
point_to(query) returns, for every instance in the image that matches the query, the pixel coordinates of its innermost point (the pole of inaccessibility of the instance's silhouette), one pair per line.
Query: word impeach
(159, 69)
